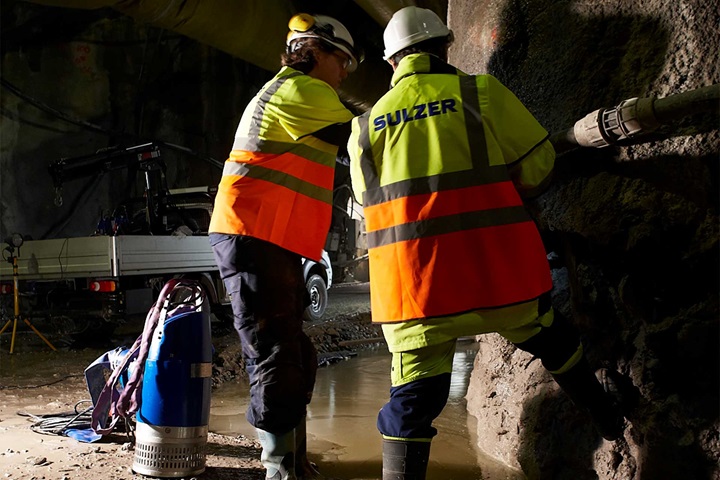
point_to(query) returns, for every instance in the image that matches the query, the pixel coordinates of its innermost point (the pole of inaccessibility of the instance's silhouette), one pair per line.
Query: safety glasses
(345, 61)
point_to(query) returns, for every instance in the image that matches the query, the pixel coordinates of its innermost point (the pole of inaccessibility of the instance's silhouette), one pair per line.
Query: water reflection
(342, 436)
(462, 366)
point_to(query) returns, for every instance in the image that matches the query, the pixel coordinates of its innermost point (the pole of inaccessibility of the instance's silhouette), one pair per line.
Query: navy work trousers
(413, 406)
(268, 298)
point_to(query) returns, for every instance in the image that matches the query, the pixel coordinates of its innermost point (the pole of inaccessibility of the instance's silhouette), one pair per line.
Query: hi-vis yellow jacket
(278, 180)
(438, 164)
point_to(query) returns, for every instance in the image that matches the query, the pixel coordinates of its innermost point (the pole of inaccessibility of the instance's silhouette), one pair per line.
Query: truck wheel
(318, 298)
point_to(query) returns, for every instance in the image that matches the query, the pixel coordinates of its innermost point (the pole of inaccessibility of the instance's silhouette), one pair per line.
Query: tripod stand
(16, 296)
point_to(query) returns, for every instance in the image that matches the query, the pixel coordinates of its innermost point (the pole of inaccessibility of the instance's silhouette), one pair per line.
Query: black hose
(674, 107)
(57, 424)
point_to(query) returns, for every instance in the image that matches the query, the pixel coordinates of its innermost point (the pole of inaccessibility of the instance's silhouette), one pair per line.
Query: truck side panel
(64, 258)
(149, 255)
(104, 256)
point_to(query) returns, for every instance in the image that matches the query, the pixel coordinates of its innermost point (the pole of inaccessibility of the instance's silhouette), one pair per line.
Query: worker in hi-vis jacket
(273, 207)
(441, 163)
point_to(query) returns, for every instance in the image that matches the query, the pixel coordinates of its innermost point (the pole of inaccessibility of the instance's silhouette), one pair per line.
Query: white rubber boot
(278, 454)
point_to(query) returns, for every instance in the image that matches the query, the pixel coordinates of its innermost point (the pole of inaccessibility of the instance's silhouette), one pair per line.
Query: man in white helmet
(273, 207)
(441, 163)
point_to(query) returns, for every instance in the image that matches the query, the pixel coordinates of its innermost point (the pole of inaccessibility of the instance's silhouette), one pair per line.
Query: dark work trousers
(414, 406)
(268, 298)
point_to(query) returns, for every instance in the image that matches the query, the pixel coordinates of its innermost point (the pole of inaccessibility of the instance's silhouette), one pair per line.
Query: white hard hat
(411, 25)
(328, 29)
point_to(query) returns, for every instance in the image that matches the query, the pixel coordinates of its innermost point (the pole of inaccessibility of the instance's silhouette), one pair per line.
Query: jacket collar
(421, 63)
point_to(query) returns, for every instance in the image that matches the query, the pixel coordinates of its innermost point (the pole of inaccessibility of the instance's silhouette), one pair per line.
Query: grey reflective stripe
(235, 168)
(447, 224)
(418, 186)
(279, 178)
(276, 148)
(476, 134)
(254, 144)
(253, 139)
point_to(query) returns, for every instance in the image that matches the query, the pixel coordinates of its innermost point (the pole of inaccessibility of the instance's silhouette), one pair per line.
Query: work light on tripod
(14, 242)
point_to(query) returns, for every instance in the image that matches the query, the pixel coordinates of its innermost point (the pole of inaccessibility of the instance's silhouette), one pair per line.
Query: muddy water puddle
(342, 436)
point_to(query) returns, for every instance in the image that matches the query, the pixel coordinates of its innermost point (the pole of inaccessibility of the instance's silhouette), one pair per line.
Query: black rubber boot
(304, 468)
(278, 454)
(403, 460)
(597, 395)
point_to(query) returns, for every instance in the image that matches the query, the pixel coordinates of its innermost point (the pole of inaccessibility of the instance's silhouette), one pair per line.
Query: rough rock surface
(633, 232)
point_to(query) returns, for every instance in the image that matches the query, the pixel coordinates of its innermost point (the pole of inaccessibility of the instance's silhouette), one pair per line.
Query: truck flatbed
(106, 256)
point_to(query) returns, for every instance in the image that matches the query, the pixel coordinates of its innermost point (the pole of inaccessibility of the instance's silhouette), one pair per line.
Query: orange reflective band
(277, 214)
(304, 169)
(438, 204)
(458, 272)
(243, 156)
(289, 171)
(288, 163)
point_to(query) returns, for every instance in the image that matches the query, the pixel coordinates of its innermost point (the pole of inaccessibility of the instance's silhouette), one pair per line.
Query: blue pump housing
(178, 373)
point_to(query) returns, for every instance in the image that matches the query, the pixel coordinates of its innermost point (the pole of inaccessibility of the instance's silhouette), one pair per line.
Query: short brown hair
(435, 46)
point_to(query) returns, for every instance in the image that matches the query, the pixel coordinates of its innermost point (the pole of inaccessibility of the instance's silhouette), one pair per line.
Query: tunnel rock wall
(77, 81)
(632, 232)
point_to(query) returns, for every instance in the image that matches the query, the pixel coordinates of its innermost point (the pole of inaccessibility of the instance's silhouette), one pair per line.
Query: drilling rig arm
(146, 157)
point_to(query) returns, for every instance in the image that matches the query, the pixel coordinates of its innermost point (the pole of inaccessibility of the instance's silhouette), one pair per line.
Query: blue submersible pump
(173, 416)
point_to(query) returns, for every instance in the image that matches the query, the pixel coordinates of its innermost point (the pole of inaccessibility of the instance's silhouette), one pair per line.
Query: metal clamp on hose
(606, 126)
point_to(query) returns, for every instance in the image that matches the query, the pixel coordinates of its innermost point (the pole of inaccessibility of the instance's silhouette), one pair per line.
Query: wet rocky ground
(41, 389)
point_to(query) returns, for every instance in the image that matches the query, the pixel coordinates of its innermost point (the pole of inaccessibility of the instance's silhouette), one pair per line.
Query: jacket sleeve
(355, 152)
(308, 106)
(517, 137)
(532, 174)
(335, 134)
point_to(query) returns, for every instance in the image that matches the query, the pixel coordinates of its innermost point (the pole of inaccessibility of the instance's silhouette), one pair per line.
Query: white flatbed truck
(109, 277)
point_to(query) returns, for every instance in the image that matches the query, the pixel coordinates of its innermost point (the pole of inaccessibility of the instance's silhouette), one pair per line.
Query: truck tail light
(103, 286)
(6, 288)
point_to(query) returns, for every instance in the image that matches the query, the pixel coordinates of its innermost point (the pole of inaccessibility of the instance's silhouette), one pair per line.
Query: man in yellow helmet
(273, 207)
(441, 163)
